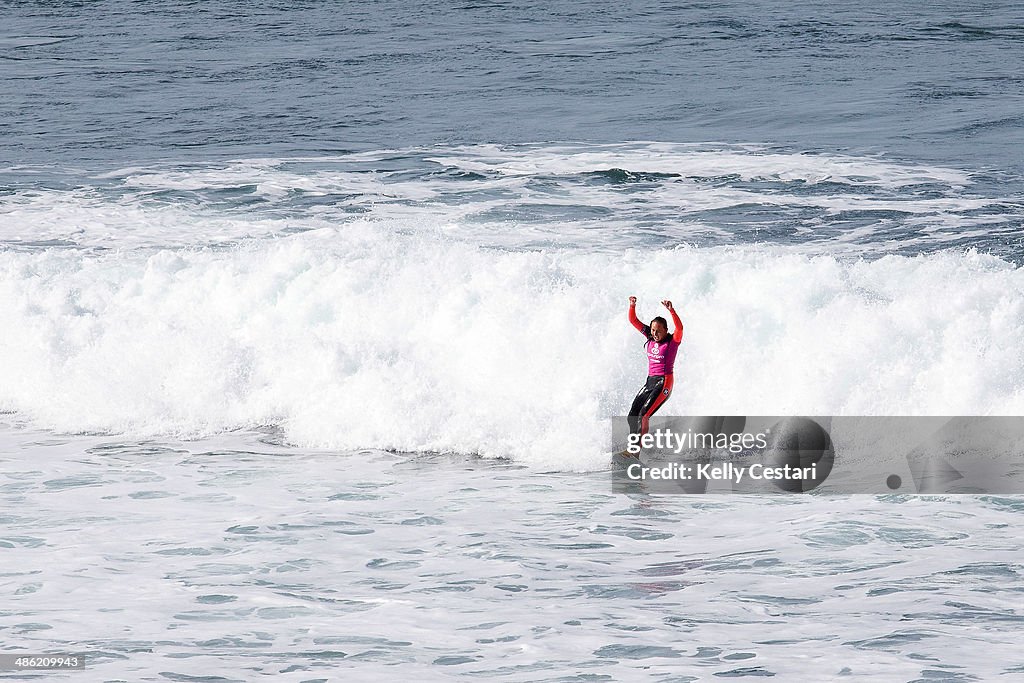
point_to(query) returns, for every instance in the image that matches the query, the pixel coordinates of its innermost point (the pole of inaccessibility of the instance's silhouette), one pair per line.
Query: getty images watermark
(666, 440)
(785, 454)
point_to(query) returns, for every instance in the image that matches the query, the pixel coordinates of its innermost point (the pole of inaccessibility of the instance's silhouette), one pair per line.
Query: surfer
(661, 356)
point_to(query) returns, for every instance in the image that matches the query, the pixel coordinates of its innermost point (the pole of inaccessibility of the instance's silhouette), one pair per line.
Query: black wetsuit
(647, 400)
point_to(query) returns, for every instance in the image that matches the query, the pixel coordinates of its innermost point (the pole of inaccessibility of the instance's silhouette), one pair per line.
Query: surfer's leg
(643, 397)
(656, 400)
(636, 410)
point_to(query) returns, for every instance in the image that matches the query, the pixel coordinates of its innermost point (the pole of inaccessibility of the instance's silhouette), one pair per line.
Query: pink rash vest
(661, 356)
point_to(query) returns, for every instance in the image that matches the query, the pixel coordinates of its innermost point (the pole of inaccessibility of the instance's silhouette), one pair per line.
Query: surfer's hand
(667, 304)
(632, 301)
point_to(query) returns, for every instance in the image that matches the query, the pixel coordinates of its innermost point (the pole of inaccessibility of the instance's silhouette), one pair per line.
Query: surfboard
(621, 459)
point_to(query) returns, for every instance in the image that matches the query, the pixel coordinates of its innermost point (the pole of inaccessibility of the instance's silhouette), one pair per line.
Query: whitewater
(390, 329)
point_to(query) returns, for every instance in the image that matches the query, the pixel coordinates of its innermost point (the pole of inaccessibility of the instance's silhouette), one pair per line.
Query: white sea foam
(90, 219)
(749, 162)
(225, 556)
(359, 337)
(525, 195)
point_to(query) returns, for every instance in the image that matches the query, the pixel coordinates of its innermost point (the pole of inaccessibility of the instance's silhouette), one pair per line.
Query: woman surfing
(661, 356)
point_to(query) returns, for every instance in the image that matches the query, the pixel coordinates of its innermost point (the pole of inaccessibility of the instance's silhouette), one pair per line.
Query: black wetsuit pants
(654, 393)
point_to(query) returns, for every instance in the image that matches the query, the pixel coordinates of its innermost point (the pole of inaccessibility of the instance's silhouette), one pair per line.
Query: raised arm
(633, 320)
(677, 324)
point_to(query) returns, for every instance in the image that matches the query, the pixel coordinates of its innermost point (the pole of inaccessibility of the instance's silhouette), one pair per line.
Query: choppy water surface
(117, 80)
(207, 561)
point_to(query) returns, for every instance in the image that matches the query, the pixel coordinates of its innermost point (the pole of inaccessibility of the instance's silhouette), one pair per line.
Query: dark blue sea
(313, 320)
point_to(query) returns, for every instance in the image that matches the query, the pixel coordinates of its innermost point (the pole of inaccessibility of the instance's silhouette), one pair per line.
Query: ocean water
(312, 318)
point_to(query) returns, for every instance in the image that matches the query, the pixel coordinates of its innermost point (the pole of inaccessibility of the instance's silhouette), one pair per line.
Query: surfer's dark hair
(659, 319)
